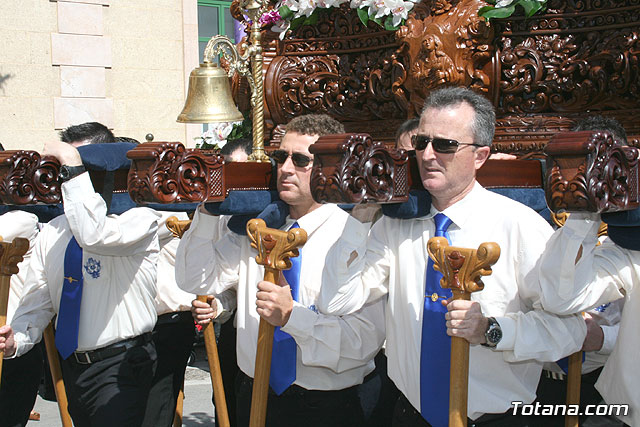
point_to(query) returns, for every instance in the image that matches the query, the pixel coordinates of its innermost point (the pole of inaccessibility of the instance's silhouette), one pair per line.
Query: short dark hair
(95, 132)
(408, 126)
(127, 139)
(314, 124)
(243, 143)
(484, 122)
(601, 123)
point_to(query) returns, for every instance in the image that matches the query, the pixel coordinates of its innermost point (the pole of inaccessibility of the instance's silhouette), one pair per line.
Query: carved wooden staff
(275, 247)
(178, 228)
(461, 269)
(11, 254)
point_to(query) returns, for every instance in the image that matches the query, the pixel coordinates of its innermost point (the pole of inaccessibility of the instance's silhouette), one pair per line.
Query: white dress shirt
(170, 297)
(333, 352)
(604, 273)
(18, 224)
(394, 263)
(118, 298)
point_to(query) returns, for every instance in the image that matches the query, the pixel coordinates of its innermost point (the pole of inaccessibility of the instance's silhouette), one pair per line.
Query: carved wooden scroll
(462, 270)
(590, 171)
(351, 168)
(167, 172)
(11, 254)
(28, 178)
(275, 248)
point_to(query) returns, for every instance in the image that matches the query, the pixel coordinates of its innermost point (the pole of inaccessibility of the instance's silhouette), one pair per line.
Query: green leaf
(295, 23)
(285, 12)
(377, 21)
(313, 19)
(363, 14)
(489, 12)
(388, 24)
(530, 7)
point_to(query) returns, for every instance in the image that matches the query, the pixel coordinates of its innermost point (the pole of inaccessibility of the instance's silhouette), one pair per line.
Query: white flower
(503, 3)
(218, 133)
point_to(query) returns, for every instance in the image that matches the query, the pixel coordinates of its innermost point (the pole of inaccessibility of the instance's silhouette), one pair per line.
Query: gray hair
(484, 122)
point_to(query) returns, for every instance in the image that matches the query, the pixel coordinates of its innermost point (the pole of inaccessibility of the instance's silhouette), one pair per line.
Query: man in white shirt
(20, 375)
(603, 273)
(104, 338)
(603, 323)
(332, 353)
(509, 334)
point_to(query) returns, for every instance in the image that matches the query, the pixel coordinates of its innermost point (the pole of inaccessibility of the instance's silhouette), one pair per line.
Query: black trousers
(298, 407)
(113, 391)
(19, 388)
(383, 402)
(405, 415)
(173, 337)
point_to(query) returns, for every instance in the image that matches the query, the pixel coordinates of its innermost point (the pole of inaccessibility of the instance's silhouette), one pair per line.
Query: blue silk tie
(435, 353)
(283, 356)
(69, 312)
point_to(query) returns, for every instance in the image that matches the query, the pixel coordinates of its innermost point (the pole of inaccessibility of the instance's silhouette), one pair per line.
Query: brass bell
(209, 97)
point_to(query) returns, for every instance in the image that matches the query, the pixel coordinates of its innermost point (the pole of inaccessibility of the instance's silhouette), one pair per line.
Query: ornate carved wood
(27, 178)
(167, 172)
(352, 168)
(541, 73)
(590, 171)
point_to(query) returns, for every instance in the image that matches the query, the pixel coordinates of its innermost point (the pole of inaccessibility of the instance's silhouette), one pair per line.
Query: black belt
(92, 356)
(174, 317)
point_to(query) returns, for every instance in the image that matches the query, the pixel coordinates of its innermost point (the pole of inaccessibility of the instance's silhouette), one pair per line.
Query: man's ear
(482, 154)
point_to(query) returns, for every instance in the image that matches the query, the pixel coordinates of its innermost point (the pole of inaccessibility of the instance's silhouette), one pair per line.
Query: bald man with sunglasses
(330, 354)
(509, 335)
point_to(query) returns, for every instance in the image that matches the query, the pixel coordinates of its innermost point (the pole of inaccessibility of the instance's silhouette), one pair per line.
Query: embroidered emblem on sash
(92, 267)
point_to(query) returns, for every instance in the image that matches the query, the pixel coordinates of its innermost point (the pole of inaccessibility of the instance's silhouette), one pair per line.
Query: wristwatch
(68, 172)
(493, 334)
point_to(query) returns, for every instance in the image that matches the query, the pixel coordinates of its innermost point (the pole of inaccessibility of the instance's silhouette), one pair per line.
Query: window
(214, 18)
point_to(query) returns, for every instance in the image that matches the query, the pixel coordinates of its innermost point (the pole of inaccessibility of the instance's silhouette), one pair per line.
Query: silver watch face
(494, 334)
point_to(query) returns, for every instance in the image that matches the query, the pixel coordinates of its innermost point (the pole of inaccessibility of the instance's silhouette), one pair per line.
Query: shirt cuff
(76, 189)
(508, 327)
(300, 317)
(609, 341)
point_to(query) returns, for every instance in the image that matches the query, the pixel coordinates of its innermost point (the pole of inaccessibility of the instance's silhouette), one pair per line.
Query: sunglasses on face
(298, 159)
(439, 145)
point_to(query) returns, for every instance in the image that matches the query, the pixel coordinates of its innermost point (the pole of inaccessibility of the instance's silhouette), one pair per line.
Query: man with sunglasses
(330, 355)
(508, 333)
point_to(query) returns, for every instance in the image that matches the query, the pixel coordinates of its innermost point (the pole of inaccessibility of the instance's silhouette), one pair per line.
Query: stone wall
(122, 63)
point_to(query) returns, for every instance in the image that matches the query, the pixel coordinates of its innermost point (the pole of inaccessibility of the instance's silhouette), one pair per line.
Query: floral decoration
(505, 8)
(290, 14)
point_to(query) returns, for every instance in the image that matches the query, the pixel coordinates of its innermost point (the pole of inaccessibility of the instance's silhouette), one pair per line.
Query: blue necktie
(283, 356)
(69, 312)
(435, 353)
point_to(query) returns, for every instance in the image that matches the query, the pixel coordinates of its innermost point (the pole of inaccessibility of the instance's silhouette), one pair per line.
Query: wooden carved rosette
(462, 268)
(26, 178)
(167, 172)
(590, 171)
(352, 168)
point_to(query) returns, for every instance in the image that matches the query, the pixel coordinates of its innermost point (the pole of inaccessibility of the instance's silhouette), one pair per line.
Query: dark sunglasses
(299, 160)
(440, 145)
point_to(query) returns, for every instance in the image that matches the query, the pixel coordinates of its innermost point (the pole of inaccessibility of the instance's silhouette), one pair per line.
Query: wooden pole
(215, 372)
(260, 392)
(459, 375)
(574, 378)
(11, 253)
(275, 248)
(56, 376)
(461, 270)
